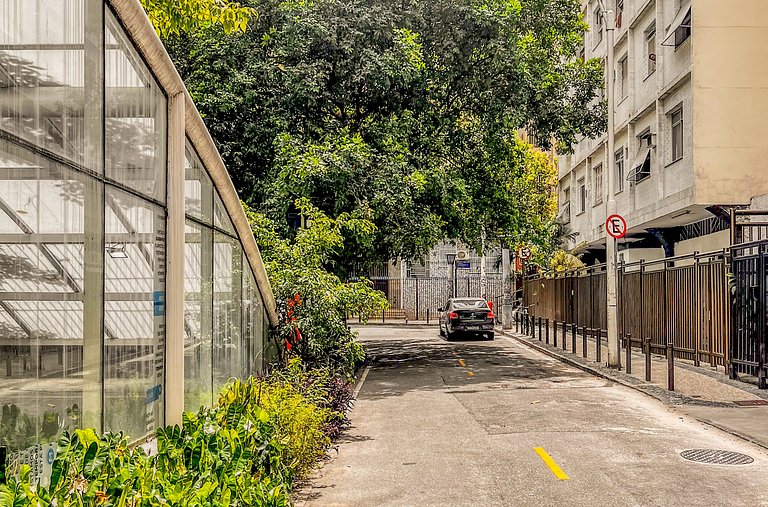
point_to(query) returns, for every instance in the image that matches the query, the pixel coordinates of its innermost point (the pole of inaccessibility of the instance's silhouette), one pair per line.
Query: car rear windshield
(461, 304)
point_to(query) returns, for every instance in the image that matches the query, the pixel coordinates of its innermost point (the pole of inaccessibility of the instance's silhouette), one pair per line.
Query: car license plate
(473, 328)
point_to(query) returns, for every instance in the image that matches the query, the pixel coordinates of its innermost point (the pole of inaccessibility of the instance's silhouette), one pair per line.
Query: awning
(682, 22)
(641, 167)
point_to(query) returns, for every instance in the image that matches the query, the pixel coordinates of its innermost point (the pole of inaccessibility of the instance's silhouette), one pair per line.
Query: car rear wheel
(489, 336)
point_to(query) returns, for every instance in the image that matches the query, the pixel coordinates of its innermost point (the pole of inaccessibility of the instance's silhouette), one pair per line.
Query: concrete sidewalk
(702, 392)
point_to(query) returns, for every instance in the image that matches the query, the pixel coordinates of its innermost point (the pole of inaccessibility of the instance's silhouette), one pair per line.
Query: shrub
(247, 450)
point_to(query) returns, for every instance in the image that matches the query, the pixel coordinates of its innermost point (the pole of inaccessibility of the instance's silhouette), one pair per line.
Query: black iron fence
(749, 287)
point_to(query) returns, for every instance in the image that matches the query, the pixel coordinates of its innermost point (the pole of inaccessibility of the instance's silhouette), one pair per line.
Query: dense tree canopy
(401, 112)
(174, 17)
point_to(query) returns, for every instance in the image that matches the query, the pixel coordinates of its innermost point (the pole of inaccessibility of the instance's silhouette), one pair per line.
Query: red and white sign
(525, 253)
(616, 226)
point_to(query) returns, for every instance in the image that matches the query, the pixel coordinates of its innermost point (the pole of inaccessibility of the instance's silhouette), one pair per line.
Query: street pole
(614, 351)
(506, 308)
(483, 277)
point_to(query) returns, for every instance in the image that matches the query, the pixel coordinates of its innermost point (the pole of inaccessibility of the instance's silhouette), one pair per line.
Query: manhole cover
(716, 457)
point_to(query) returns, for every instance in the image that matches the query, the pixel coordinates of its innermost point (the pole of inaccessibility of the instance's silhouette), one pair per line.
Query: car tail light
(491, 315)
(453, 315)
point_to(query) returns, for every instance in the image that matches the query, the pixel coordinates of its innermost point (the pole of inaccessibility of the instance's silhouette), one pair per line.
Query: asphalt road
(482, 423)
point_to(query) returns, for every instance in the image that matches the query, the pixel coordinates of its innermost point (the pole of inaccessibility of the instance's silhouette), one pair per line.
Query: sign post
(615, 228)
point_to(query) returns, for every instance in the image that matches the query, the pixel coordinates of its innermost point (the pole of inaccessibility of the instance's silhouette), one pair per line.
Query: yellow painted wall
(730, 100)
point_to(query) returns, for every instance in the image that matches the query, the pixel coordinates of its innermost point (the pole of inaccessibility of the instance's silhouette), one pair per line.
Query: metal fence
(749, 347)
(419, 298)
(683, 300)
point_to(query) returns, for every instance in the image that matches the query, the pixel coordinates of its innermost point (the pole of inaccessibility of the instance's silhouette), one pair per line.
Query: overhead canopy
(641, 167)
(676, 33)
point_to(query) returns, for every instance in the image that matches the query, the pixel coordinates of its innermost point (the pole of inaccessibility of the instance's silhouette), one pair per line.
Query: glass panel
(198, 189)
(198, 318)
(222, 219)
(42, 230)
(134, 285)
(51, 75)
(252, 324)
(136, 112)
(227, 308)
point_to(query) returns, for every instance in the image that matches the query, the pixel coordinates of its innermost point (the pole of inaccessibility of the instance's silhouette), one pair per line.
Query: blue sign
(153, 394)
(50, 455)
(159, 299)
(462, 264)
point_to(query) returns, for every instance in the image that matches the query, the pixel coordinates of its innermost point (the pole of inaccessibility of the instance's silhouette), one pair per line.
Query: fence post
(564, 332)
(547, 332)
(584, 332)
(670, 366)
(554, 333)
(599, 337)
(647, 347)
(697, 310)
(539, 328)
(629, 354)
(417, 299)
(573, 338)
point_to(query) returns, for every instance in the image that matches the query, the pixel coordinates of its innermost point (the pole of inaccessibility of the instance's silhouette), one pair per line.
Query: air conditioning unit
(462, 255)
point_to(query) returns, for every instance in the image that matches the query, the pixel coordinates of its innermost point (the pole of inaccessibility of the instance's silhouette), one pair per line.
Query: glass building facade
(92, 325)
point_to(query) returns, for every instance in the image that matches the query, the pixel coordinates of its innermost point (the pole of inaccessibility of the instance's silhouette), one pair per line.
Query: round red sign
(616, 226)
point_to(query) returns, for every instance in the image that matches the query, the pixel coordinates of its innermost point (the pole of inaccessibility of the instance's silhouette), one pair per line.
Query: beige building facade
(691, 90)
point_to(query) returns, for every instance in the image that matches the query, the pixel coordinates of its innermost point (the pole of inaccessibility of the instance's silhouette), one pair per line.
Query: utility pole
(614, 356)
(506, 306)
(483, 276)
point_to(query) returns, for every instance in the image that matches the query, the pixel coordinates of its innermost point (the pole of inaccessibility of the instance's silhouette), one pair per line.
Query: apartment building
(691, 82)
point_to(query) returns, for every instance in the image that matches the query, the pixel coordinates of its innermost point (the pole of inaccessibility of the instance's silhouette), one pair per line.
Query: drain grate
(716, 457)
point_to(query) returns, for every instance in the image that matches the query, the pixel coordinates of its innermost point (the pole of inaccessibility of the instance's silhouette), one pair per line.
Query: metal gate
(749, 347)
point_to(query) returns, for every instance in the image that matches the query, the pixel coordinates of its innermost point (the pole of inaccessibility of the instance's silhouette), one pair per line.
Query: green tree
(312, 303)
(402, 112)
(173, 17)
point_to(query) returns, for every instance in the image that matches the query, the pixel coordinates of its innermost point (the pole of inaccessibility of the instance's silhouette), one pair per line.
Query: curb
(617, 376)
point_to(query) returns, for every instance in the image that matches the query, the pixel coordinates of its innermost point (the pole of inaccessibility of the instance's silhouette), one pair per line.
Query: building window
(683, 32)
(619, 158)
(650, 48)
(677, 134)
(582, 196)
(623, 77)
(597, 22)
(597, 180)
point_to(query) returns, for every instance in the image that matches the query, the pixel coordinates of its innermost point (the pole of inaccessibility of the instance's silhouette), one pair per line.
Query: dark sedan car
(466, 316)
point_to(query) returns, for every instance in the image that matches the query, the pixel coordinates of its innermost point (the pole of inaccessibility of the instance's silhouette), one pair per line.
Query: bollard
(573, 338)
(647, 348)
(382, 316)
(539, 328)
(546, 339)
(670, 366)
(584, 332)
(427, 315)
(629, 354)
(598, 343)
(554, 333)
(565, 328)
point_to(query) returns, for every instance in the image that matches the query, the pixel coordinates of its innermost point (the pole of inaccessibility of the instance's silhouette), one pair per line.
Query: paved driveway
(475, 423)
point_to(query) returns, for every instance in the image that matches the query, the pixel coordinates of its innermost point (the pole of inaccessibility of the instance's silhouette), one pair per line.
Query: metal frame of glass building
(131, 287)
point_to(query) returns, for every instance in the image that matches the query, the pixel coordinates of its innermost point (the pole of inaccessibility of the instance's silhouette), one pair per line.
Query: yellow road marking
(551, 463)
(461, 363)
(470, 374)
